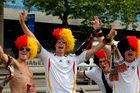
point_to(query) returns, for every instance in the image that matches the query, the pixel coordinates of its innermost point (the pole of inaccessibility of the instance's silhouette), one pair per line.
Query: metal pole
(2, 24)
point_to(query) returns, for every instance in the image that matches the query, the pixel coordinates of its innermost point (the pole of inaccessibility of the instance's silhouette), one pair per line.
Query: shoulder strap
(138, 73)
(107, 87)
(9, 61)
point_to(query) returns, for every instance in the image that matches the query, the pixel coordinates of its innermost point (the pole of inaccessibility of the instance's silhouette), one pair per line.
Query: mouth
(60, 47)
(103, 67)
(24, 54)
(130, 54)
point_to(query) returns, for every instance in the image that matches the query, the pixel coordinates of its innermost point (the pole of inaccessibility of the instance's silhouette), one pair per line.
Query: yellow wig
(138, 50)
(33, 46)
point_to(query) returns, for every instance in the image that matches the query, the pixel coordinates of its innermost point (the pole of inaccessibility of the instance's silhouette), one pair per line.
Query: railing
(39, 77)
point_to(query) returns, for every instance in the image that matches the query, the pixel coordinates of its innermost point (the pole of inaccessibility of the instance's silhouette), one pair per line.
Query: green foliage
(107, 10)
(1, 1)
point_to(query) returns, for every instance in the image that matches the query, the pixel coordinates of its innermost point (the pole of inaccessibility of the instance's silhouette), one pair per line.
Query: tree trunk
(65, 22)
(2, 24)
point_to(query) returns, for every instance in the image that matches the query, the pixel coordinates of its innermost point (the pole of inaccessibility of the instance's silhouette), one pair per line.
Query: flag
(30, 22)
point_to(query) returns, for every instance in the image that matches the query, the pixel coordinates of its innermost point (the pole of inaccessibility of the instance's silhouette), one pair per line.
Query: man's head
(102, 61)
(65, 41)
(60, 46)
(128, 47)
(25, 47)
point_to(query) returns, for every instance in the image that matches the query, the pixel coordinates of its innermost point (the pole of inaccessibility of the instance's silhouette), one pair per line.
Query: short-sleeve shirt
(96, 75)
(128, 81)
(60, 72)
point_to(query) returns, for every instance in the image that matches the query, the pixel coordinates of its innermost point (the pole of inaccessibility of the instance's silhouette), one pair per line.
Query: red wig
(101, 54)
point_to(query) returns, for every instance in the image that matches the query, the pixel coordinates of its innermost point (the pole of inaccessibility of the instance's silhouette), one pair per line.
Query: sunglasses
(60, 41)
(24, 48)
(102, 60)
(129, 48)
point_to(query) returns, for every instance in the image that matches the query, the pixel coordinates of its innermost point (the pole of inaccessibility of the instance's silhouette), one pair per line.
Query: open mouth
(103, 67)
(60, 47)
(130, 54)
(24, 54)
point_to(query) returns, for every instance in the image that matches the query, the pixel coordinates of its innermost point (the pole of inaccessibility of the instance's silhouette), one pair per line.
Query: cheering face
(60, 46)
(24, 53)
(104, 65)
(130, 55)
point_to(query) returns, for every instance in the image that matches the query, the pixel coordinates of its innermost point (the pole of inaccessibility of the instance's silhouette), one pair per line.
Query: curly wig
(100, 54)
(66, 35)
(128, 42)
(26, 41)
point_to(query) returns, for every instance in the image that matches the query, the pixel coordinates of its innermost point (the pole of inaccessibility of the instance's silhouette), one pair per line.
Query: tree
(107, 10)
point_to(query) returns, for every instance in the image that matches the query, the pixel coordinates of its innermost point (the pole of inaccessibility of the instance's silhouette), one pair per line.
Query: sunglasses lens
(102, 60)
(21, 49)
(27, 49)
(131, 49)
(59, 41)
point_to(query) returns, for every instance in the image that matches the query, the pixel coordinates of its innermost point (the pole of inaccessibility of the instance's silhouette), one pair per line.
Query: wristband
(98, 33)
(107, 40)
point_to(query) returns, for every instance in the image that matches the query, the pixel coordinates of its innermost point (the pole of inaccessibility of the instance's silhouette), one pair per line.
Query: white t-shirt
(96, 75)
(128, 80)
(60, 72)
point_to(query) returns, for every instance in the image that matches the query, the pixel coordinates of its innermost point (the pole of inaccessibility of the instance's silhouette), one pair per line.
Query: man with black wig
(128, 81)
(99, 74)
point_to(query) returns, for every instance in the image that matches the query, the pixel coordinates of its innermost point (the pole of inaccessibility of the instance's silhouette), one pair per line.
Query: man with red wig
(102, 59)
(60, 67)
(24, 49)
(99, 74)
(128, 80)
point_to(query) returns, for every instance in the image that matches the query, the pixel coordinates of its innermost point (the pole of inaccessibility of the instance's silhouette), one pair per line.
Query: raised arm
(99, 46)
(26, 30)
(99, 34)
(7, 59)
(3, 56)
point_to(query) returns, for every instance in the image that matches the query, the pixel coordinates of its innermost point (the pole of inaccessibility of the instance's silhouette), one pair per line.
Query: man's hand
(1, 52)
(112, 33)
(22, 16)
(96, 23)
(97, 32)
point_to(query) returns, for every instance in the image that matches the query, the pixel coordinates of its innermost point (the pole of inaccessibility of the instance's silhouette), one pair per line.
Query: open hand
(22, 16)
(96, 23)
(1, 51)
(112, 33)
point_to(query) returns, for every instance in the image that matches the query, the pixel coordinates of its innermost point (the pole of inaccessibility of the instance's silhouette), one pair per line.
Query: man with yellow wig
(21, 80)
(61, 68)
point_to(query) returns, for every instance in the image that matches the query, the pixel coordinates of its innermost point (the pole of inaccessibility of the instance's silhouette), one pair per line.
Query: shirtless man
(22, 82)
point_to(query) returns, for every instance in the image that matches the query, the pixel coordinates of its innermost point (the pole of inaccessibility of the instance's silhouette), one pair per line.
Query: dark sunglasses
(102, 60)
(24, 48)
(129, 48)
(60, 41)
